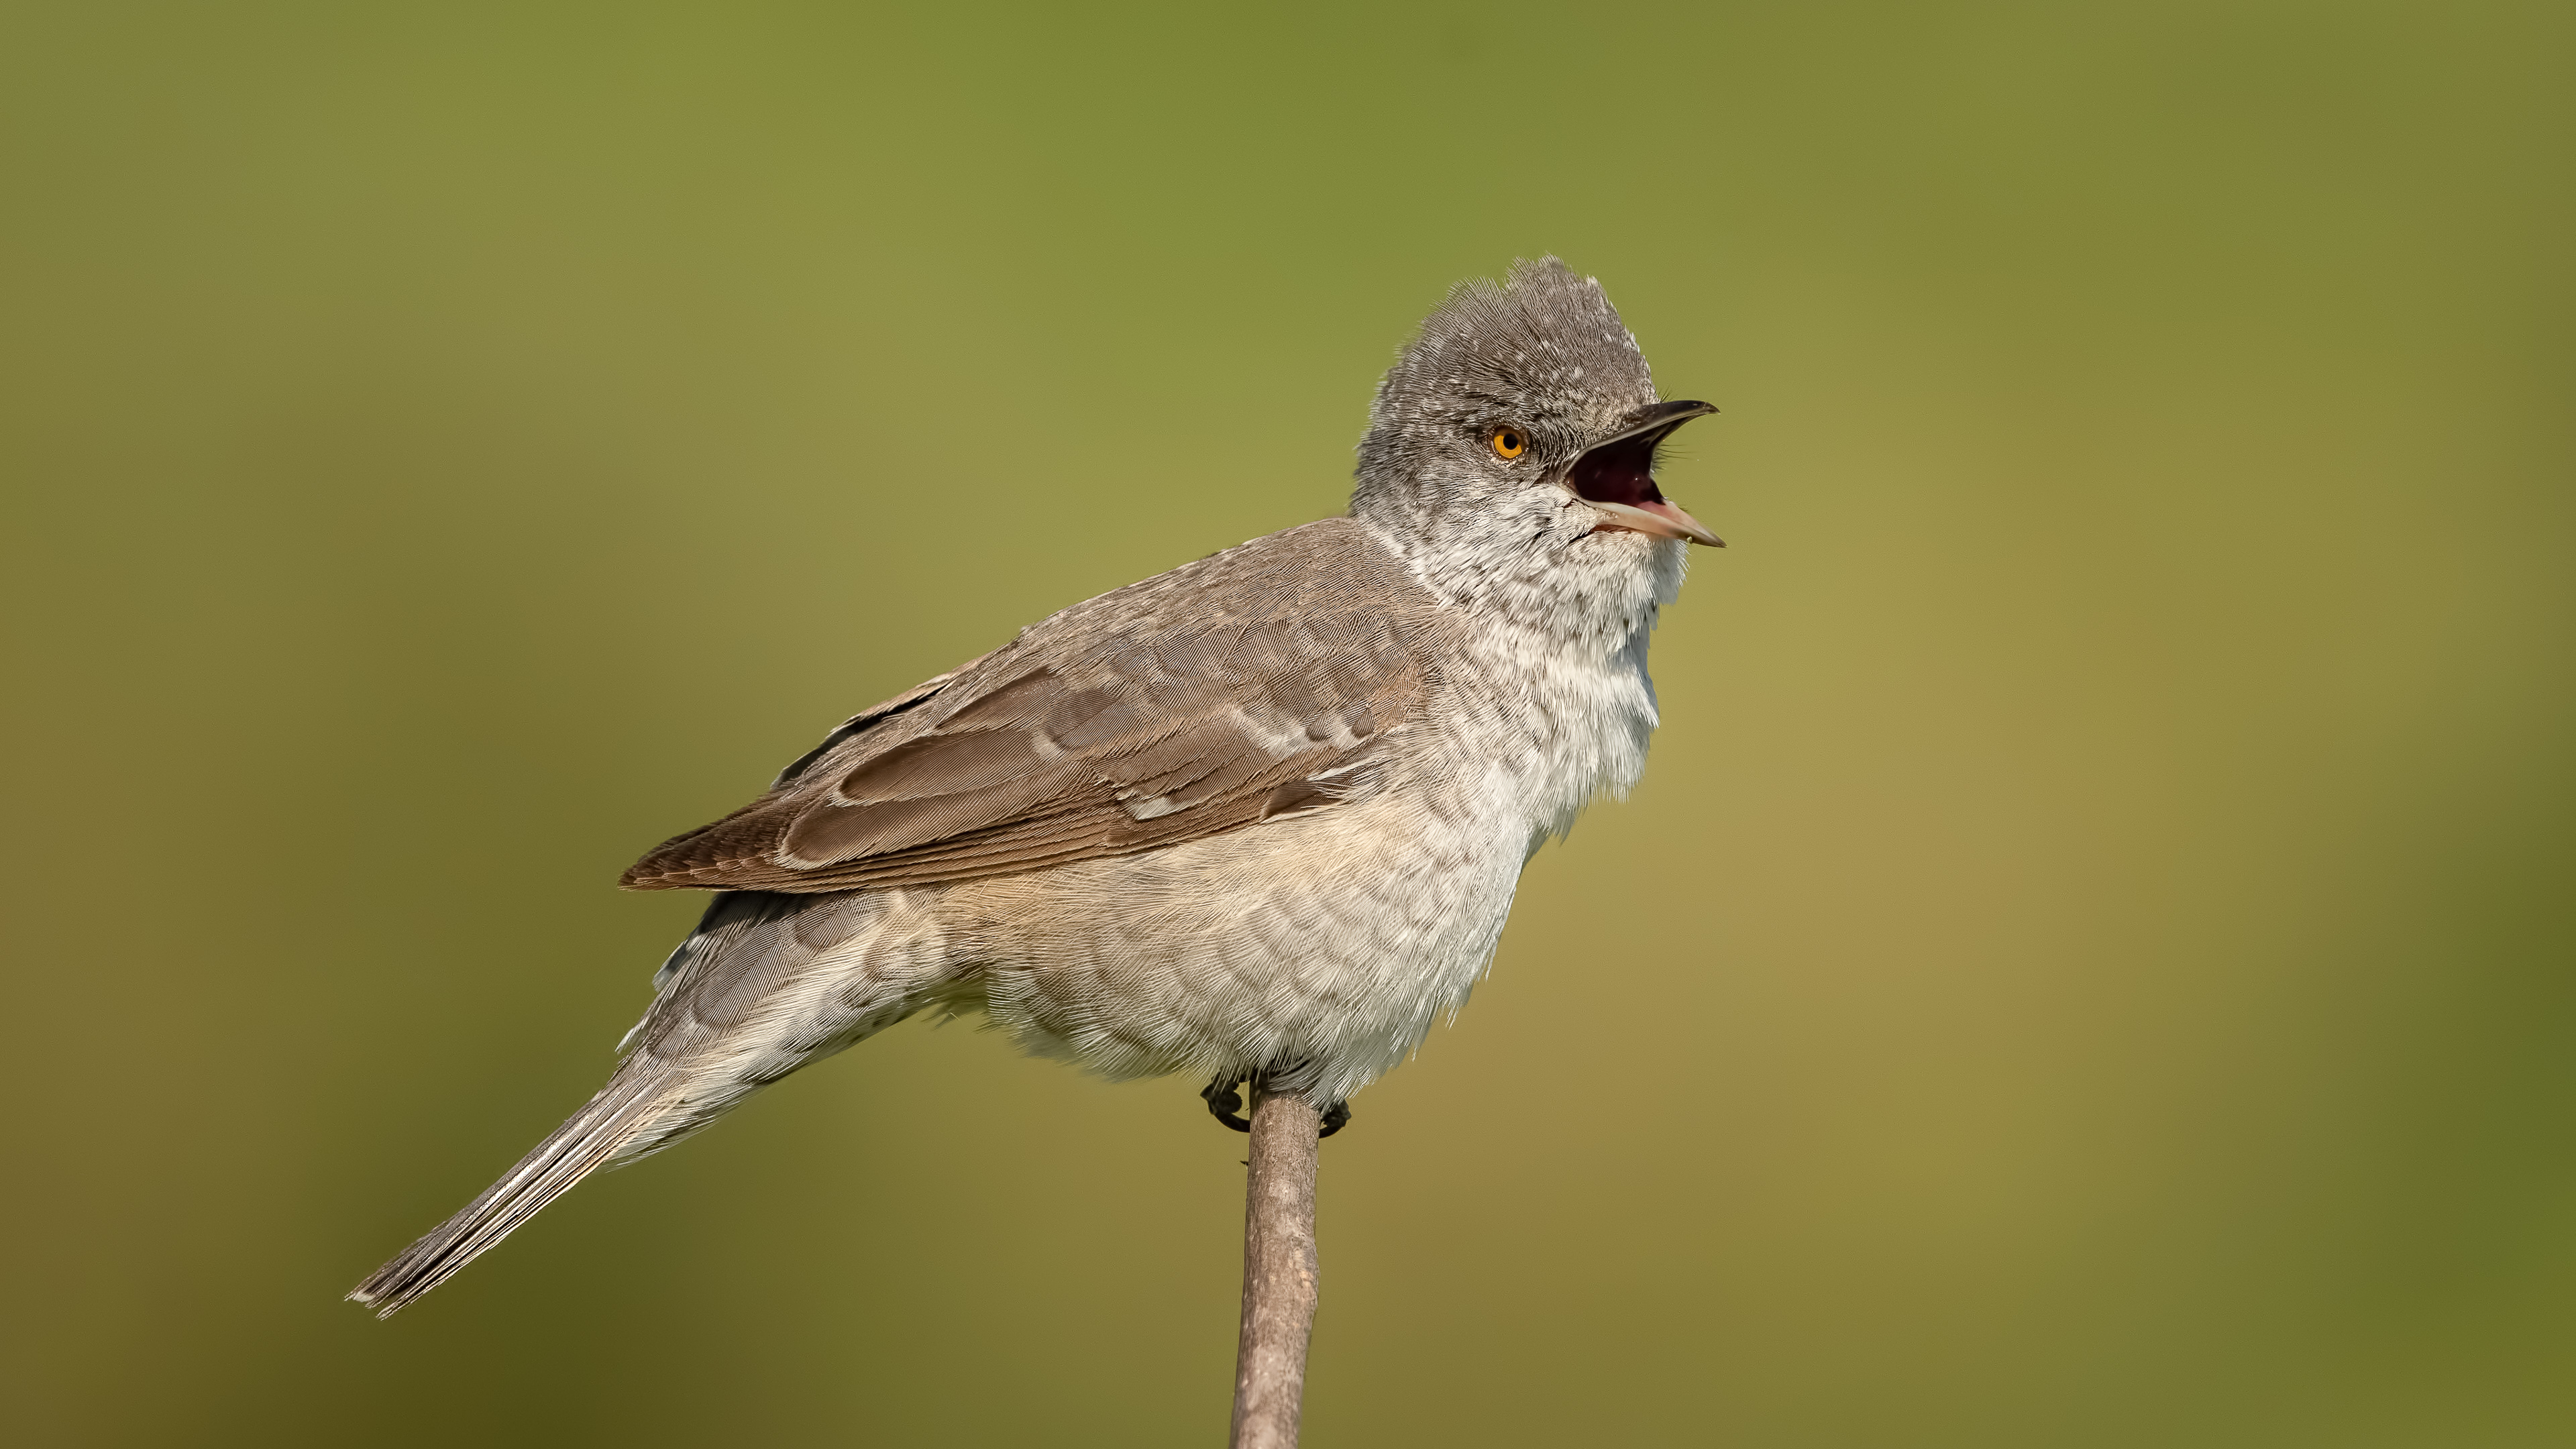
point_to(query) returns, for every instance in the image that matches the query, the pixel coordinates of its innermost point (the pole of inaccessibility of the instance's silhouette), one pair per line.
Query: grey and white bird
(1258, 817)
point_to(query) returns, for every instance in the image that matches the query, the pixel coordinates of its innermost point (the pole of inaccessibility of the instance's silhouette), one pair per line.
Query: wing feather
(1256, 684)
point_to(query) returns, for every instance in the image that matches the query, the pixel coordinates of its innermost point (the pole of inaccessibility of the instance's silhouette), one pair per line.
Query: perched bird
(1260, 817)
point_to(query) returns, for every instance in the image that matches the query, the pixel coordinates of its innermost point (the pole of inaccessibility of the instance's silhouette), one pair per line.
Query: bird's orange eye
(1510, 442)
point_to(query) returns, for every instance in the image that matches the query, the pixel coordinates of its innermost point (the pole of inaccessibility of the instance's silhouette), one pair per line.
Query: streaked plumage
(1262, 813)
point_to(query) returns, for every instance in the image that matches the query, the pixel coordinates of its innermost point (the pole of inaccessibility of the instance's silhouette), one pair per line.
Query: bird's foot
(1225, 1104)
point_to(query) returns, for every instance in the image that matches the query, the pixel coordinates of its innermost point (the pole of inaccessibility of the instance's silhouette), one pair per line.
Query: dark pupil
(1511, 442)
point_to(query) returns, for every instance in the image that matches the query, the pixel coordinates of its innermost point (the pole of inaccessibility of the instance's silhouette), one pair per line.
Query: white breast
(1329, 944)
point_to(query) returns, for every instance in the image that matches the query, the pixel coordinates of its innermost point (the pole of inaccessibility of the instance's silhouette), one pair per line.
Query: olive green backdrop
(2089, 963)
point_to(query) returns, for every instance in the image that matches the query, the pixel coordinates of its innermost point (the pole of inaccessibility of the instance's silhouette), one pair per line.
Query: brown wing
(1214, 698)
(869, 718)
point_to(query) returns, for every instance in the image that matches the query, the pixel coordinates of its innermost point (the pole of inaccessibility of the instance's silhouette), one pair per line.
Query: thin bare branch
(1280, 1272)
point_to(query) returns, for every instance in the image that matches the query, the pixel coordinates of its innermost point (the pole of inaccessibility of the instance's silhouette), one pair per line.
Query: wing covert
(1191, 711)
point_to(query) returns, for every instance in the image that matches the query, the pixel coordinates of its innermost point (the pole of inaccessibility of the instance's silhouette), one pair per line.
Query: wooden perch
(1280, 1271)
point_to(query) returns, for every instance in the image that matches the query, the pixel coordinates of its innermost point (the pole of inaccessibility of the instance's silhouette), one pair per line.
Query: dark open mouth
(1620, 472)
(1622, 469)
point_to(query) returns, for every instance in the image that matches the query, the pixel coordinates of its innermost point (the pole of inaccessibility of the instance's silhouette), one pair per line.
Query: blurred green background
(2089, 964)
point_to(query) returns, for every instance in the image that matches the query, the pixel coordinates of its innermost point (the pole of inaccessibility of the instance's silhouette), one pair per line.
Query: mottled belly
(1324, 946)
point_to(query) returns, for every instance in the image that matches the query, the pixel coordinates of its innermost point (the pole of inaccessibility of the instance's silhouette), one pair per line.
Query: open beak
(1616, 476)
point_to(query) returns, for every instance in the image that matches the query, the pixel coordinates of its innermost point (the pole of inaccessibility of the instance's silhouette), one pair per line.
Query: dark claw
(1226, 1105)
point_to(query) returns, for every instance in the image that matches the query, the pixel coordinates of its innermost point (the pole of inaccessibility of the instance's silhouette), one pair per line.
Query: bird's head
(1520, 428)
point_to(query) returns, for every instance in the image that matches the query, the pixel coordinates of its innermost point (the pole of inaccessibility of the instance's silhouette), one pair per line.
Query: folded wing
(1215, 704)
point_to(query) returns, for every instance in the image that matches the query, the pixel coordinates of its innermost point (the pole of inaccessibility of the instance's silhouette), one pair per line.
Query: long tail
(642, 1097)
(765, 984)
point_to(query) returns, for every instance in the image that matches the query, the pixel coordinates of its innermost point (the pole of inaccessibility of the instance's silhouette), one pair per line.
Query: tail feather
(767, 983)
(622, 1118)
